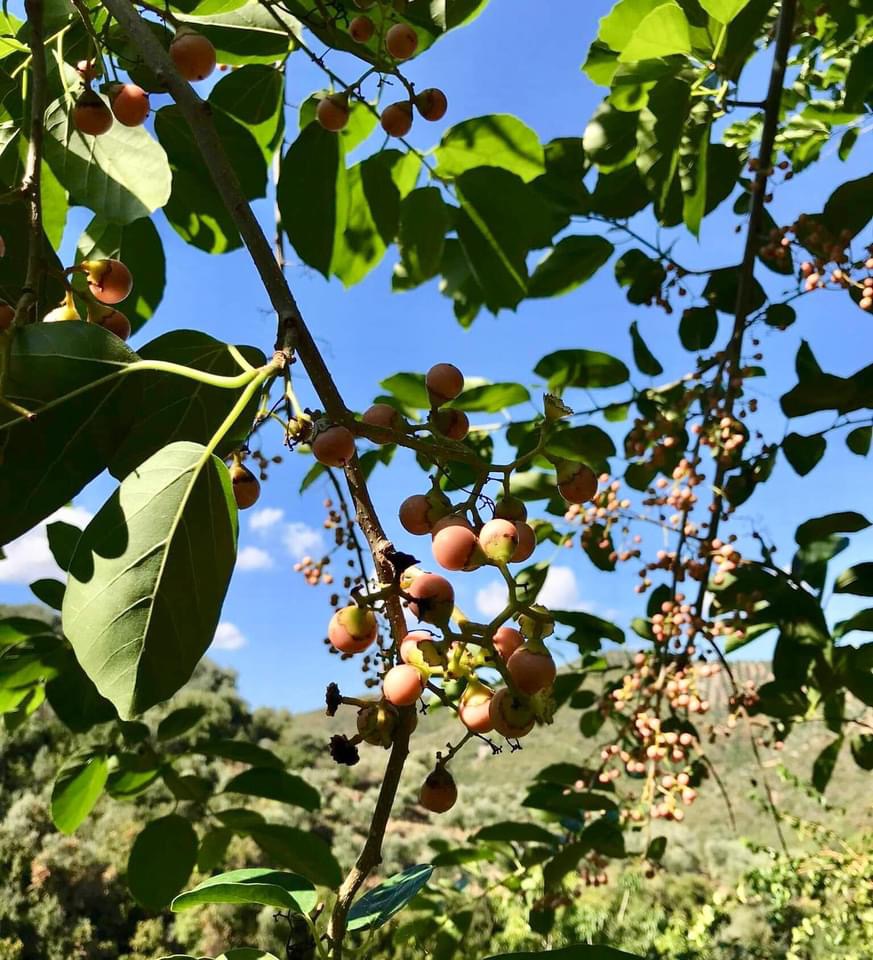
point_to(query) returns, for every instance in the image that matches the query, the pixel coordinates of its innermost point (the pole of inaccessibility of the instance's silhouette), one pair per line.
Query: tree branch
(292, 336)
(31, 183)
(733, 352)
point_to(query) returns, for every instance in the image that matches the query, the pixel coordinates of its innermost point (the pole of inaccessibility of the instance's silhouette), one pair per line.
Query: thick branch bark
(32, 181)
(293, 337)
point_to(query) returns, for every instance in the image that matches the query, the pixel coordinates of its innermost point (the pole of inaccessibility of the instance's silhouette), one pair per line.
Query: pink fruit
(130, 104)
(510, 715)
(403, 685)
(506, 641)
(531, 670)
(474, 710)
(91, 116)
(577, 483)
(401, 41)
(432, 103)
(527, 542)
(419, 645)
(499, 540)
(456, 547)
(352, 629)
(510, 508)
(334, 447)
(438, 792)
(453, 424)
(361, 29)
(444, 382)
(108, 280)
(420, 513)
(193, 54)
(396, 119)
(433, 598)
(383, 415)
(333, 112)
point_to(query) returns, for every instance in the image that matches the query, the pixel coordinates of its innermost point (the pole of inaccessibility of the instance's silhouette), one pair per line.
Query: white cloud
(253, 558)
(265, 518)
(300, 539)
(228, 636)
(560, 592)
(28, 558)
(491, 599)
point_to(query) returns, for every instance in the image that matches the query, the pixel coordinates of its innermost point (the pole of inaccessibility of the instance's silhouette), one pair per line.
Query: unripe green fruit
(352, 629)
(193, 54)
(433, 598)
(246, 487)
(527, 542)
(401, 41)
(334, 446)
(536, 628)
(332, 112)
(511, 716)
(418, 649)
(439, 792)
(403, 685)
(108, 280)
(453, 424)
(456, 547)
(499, 540)
(510, 508)
(506, 641)
(91, 116)
(532, 670)
(396, 119)
(444, 382)
(474, 710)
(377, 723)
(432, 104)
(576, 482)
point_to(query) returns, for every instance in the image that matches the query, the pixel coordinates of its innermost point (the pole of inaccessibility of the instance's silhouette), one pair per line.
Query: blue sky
(509, 61)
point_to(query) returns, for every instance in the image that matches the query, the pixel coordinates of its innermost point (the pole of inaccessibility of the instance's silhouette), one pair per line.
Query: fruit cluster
(460, 662)
(108, 282)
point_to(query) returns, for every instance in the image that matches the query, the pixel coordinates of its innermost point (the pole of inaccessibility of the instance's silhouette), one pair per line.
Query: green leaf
(272, 888)
(240, 751)
(299, 850)
(857, 580)
(77, 789)
(501, 220)
(610, 138)
(165, 407)
(619, 25)
(643, 357)
(722, 288)
(554, 798)
(377, 906)
(180, 721)
(213, 849)
(424, 220)
(48, 591)
(656, 849)
(642, 275)
(858, 440)
(659, 135)
(803, 453)
(149, 576)
(820, 528)
(581, 368)
(254, 96)
(586, 444)
(273, 784)
(138, 244)
(698, 328)
(45, 463)
(491, 397)
(571, 262)
(74, 698)
(497, 140)
(850, 206)
(161, 860)
(662, 32)
(780, 315)
(195, 208)
(823, 768)
(121, 175)
(508, 832)
(313, 196)
(588, 629)
(862, 750)
(409, 389)
(723, 10)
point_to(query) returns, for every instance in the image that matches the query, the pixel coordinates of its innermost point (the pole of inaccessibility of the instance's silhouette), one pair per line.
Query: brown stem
(31, 183)
(293, 336)
(772, 109)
